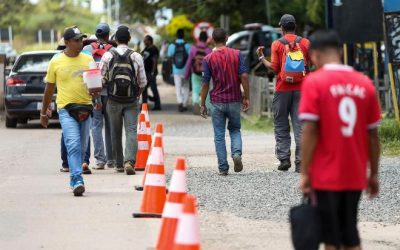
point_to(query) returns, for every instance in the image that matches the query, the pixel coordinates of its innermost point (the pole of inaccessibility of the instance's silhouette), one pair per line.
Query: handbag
(80, 112)
(305, 224)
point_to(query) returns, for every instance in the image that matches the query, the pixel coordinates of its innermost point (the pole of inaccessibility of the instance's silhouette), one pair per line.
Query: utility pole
(109, 13)
(117, 9)
(268, 10)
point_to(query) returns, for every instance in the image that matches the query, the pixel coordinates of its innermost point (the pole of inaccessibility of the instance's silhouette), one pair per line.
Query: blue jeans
(76, 138)
(97, 134)
(220, 113)
(64, 155)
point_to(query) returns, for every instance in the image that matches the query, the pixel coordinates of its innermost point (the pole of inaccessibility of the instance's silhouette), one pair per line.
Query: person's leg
(97, 135)
(72, 138)
(86, 157)
(219, 123)
(107, 134)
(152, 82)
(64, 155)
(178, 89)
(349, 213)
(196, 88)
(144, 94)
(234, 126)
(114, 111)
(296, 125)
(185, 92)
(85, 139)
(131, 113)
(280, 106)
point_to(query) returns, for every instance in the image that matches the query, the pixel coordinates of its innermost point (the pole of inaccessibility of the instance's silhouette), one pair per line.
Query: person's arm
(205, 88)
(141, 73)
(374, 154)
(154, 60)
(261, 57)
(46, 101)
(309, 139)
(244, 80)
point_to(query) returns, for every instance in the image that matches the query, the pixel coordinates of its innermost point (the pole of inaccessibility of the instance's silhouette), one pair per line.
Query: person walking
(228, 71)
(289, 60)
(125, 78)
(150, 56)
(340, 111)
(100, 116)
(194, 68)
(179, 52)
(74, 103)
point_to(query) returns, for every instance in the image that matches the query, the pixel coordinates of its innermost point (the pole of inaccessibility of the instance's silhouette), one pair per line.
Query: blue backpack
(293, 61)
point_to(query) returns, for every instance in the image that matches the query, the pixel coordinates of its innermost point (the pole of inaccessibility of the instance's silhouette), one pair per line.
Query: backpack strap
(283, 41)
(298, 39)
(94, 45)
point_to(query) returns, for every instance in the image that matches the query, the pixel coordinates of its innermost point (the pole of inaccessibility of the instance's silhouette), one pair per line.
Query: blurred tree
(13, 11)
(138, 10)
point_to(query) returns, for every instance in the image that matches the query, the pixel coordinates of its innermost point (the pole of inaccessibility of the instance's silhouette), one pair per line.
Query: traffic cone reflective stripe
(187, 235)
(155, 180)
(173, 207)
(143, 145)
(145, 111)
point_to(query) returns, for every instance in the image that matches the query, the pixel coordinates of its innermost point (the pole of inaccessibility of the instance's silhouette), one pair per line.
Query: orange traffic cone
(157, 133)
(187, 235)
(143, 145)
(154, 196)
(145, 111)
(173, 206)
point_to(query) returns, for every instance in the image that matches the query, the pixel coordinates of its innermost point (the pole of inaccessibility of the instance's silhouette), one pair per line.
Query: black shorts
(338, 213)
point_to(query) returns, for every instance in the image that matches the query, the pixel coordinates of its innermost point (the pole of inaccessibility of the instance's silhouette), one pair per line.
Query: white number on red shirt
(348, 115)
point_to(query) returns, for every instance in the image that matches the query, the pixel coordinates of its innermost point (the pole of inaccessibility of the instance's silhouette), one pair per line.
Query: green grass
(44, 46)
(389, 133)
(263, 124)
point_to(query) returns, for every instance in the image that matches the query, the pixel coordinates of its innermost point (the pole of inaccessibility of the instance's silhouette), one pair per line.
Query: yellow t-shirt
(66, 72)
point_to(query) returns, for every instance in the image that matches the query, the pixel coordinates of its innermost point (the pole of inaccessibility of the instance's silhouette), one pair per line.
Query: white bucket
(92, 79)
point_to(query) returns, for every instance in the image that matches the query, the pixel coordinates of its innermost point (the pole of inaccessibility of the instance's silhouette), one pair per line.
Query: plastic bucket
(92, 79)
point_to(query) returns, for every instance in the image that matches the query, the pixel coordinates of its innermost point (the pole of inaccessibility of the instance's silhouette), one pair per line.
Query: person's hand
(203, 111)
(94, 94)
(44, 120)
(305, 184)
(245, 104)
(260, 51)
(373, 187)
(98, 106)
(49, 111)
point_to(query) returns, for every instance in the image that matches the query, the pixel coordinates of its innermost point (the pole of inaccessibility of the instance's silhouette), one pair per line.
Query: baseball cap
(286, 19)
(122, 33)
(102, 29)
(73, 33)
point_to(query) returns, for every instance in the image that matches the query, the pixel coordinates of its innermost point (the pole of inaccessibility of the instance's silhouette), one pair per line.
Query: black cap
(73, 33)
(102, 29)
(286, 19)
(122, 33)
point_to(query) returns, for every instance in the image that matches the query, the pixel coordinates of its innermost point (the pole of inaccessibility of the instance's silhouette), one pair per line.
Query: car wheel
(11, 123)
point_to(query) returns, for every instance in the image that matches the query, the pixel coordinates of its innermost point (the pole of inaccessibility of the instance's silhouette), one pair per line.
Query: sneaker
(86, 169)
(180, 108)
(100, 166)
(64, 169)
(78, 187)
(223, 173)
(237, 161)
(284, 166)
(129, 170)
(110, 165)
(119, 169)
(196, 109)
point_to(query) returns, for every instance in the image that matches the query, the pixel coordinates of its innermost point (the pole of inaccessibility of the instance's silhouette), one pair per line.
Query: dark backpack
(99, 49)
(180, 55)
(122, 82)
(197, 63)
(294, 63)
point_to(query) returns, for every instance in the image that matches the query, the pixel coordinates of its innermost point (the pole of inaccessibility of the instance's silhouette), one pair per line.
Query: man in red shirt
(287, 91)
(340, 111)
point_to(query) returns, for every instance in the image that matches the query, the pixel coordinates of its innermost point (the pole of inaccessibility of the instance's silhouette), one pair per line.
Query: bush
(389, 133)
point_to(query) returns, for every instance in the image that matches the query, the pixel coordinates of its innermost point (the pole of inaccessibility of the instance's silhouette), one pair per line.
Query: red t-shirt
(277, 51)
(344, 103)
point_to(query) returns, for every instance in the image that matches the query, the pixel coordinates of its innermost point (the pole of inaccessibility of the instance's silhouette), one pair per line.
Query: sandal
(64, 169)
(86, 169)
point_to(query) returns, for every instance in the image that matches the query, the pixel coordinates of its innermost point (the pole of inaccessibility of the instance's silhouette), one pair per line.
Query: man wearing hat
(125, 77)
(287, 93)
(97, 49)
(74, 103)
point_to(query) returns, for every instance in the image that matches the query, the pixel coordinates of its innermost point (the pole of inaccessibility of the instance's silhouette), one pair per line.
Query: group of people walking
(334, 111)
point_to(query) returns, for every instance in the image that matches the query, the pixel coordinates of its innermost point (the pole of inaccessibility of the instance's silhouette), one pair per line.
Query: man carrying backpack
(289, 59)
(125, 78)
(97, 49)
(194, 67)
(179, 52)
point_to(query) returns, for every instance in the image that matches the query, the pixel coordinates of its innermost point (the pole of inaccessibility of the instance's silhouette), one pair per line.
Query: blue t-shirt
(171, 52)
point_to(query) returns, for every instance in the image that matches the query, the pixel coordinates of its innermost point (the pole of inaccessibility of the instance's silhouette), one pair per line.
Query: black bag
(180, 55)
(122, 83)
(80, 112)
(305, 226)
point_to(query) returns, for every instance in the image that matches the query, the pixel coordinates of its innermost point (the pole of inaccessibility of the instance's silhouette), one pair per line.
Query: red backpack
(99, 49)
(294, 64)
(197, 63)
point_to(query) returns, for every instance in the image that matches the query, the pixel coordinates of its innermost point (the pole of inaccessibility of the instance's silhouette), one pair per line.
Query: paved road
(38, 211)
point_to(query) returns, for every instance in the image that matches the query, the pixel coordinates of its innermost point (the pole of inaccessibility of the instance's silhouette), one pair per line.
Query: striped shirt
(224, 66)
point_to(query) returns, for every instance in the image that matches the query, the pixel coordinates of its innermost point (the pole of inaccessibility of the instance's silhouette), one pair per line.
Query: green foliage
(389, 133)
(263, 124)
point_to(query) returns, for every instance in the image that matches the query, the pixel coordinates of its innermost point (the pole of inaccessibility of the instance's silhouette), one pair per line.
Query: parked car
(24, 88)
(11, 54)
(253, 36)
